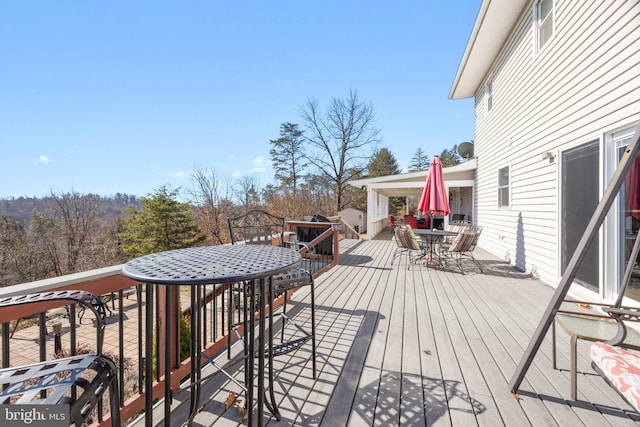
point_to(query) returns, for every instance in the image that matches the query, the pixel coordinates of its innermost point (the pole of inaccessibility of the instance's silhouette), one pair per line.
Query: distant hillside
(22, 208)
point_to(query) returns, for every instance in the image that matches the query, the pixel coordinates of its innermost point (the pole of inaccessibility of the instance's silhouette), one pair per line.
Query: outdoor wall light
(548, 155)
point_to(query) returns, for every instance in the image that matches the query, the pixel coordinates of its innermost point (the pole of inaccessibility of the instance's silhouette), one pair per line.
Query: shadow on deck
(422, 346)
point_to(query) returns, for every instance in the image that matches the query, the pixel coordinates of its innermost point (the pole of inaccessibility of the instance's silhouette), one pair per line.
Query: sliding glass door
(628, 217)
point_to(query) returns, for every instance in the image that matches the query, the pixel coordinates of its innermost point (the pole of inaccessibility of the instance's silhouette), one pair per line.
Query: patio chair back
(261, 227)
(455, 227)
(257, 227)
(407, 238)
(408, 243)
(464, 244)
(466, 240)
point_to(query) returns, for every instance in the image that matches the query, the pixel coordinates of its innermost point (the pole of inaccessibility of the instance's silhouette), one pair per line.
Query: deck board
(422, 346)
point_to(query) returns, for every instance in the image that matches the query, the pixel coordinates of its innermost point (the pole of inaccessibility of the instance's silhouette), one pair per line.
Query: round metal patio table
(431, 237)
(252, 264)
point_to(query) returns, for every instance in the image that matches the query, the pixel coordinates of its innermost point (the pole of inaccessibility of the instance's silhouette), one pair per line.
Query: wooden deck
(422, 346)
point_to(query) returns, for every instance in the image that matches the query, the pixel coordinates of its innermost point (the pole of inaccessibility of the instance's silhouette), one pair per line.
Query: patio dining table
(430, 238)
(252, 264)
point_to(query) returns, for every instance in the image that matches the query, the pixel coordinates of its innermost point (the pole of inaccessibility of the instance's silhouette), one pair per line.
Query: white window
(488, 93)
(503, 187)
(544, 22)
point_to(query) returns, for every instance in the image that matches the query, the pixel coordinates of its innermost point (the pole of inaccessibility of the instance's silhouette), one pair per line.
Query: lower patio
(419, 346)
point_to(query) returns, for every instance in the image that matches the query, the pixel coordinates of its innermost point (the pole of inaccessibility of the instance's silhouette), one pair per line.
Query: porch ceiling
(412, 183)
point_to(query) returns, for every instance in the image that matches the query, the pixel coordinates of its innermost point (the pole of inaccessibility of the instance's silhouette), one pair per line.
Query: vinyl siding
(584, 84)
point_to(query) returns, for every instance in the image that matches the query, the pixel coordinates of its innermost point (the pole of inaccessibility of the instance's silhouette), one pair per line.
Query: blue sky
(126, 96)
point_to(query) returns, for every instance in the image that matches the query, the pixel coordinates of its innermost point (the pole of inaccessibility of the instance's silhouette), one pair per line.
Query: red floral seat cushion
(621, 368)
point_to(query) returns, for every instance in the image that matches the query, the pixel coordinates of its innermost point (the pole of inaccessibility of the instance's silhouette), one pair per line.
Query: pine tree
(287, 156)
(419, 161)
(383, 163)
(161, 224)
(450, 157)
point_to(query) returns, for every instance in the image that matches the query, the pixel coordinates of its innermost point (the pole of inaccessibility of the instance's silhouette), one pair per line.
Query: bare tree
(22, 259)
(75, 214)
(342, 139)
(248, 192)
(43, 234)
(14, 254)
(212, 203)
(62, 232)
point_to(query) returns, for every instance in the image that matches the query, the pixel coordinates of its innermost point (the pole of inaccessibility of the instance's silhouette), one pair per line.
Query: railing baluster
(135, 380)
(5, 345)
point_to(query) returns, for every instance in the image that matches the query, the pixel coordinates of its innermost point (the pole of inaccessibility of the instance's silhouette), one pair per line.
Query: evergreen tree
(161, 224)
(383, 163)
(287, 156)
(419, 161)
(450, 157)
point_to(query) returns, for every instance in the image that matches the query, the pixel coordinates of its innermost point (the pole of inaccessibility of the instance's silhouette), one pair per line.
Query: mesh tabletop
(212, 264)
(438, 233)
(432, 236)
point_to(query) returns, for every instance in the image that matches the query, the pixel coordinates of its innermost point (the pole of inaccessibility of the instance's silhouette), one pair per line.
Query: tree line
(70, 232)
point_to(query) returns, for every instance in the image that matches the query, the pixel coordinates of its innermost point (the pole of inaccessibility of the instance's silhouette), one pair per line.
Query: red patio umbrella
(434, 199)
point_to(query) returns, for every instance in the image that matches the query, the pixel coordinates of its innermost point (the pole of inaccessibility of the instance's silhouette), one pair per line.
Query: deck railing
(136, 310)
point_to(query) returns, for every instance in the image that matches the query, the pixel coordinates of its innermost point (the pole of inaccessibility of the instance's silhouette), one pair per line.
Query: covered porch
(459, 180)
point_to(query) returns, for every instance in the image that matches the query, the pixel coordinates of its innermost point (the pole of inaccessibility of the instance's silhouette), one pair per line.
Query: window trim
(502, 187)
(488, 93)
(538, 24)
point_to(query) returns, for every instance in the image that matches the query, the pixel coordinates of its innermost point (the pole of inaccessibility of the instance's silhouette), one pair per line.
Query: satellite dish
(465, 149)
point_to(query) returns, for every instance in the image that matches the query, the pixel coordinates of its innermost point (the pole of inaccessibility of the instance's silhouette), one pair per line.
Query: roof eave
(493, 25)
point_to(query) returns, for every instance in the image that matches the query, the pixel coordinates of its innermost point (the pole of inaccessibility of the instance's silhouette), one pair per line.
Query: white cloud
(181, 174)
(259, 162)
(45, 160)
(236, 174)
(259, 165)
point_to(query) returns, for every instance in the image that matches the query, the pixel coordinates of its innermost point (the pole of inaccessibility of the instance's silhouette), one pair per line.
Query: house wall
(582, 86)
(355, 217)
